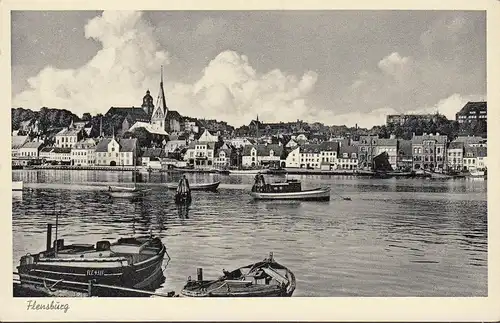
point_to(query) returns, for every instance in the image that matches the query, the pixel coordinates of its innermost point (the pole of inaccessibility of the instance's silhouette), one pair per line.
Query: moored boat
(247, 171)
(126, 192)
(197, 186)
(132, 262)
(265, 278)
(17, 185)
(477, 173)
(435, 175)
(291, 189)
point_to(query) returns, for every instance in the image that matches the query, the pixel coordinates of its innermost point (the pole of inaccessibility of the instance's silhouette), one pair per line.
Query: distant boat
(247, 171)
(477, 173)
(435, 175)
(17, 185)
(196, 186)
(126, 192)
(265, 278)
(291, 189)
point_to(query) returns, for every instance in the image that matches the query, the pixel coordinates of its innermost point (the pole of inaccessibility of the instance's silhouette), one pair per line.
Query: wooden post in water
(49, 236)
(200, 274)
(89, 291)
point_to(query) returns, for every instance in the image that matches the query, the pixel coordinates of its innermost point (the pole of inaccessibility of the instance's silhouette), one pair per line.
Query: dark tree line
(48, 118)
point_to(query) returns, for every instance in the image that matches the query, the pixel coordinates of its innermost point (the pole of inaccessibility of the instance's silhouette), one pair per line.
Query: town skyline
(434, 62)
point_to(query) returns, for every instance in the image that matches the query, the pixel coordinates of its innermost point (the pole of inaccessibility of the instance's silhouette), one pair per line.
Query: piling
(200, 274)
(49, 236)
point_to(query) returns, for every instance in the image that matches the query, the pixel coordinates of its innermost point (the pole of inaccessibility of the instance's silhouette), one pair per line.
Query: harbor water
(395, 237)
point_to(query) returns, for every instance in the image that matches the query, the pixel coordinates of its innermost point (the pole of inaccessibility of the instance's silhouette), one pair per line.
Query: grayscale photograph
(249, 153)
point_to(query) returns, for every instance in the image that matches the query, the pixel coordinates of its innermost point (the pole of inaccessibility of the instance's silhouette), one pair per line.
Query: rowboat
(17, 185)
(435, 175)
(291, 189)
(126, 192)
(247, 171)
(196, 186)
(265, 278)
(132, 262)
(477, 173)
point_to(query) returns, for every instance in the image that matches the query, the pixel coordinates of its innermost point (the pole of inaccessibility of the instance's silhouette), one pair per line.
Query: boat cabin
(289, 186)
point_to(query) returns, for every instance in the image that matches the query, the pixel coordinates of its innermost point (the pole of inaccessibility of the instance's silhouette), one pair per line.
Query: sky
(335, 67)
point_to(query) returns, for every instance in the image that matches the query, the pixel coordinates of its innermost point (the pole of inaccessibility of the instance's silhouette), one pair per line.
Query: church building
(162, 117)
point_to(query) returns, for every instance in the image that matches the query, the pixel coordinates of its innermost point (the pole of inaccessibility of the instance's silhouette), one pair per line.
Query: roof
(329, 146)
(133, 112)
(473, 106)
(46, 149)
(456, 145)
(438, 138)
(174, 115)
(32, 144)
(310, 149)
(153, 152)
(85, 144)
(469, 139)
(126, 145)
(262, 149)
(348, 149)
(18, 141)
(387, 142)
(58, 150)
(149, 128)
(227, 151)
(69, 132)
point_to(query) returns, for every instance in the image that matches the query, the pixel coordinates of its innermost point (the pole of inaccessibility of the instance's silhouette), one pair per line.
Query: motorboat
(290, 189)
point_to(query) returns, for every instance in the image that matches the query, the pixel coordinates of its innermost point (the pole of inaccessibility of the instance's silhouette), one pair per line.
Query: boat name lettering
(95, 272)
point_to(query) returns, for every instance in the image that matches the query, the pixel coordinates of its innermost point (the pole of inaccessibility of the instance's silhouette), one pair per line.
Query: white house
(83, 153)
(258, 155)
(348, 157)
(222, 158)
(206, 136)
(68, 137)
(113, 152)
(293, 158)
(30, 150)
(200, 154)
(455, 155)
(481, 158)
(240, 142)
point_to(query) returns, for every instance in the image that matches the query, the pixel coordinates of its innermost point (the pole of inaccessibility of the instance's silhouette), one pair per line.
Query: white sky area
(335, 67)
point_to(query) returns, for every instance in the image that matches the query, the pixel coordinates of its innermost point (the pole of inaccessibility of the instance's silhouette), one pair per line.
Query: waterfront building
(30, 150)
(222, 158)
(470, 158)
(329, 152)
(473, 111)
(390, 146)
(293, 158)
(113, 152)
(481, 158)
(68, 137)
(405, 157)
(455, 156)
(16, 143)
(348, 157)
(367, 146)
(200, 154)
(310, 156)
(429, 151)
(56, 155)
(176, 143)
(83, 153)
(152, 157)
(262, 154)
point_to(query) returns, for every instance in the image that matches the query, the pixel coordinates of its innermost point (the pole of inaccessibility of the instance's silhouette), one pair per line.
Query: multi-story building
(348, 157)
(153, 157)
(405, 156)
(429, 151)
(470, 158)
(83, 153)
(329, 152)
(455, 156)
(367, 150)
(56, 155)
(473, 111)
(293, 158)
(222, 158)
(310, 156)
(30, 150)
(68, 137)
(481, 156)
(261, 154)
(472, 141)
(200, 154)
(16, 144)
(390, 146)
(116, 152)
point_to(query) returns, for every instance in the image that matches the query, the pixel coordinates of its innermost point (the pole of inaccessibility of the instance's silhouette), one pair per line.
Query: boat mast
(57, 224)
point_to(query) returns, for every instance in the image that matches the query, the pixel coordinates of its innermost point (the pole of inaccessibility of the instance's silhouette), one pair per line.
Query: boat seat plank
(275, 275)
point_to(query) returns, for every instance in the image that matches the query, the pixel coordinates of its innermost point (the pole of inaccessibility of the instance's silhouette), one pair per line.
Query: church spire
(162, 93)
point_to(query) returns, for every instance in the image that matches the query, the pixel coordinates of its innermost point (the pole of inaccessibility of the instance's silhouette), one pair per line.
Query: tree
(86, 117)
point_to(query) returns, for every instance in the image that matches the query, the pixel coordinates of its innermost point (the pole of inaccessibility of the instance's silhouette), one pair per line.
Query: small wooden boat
(435, 175)
(197, 186)
(126, 192)
(17, 185)
(291, 189)
(247, 171)
(134, 262)
(477, 173)
(266, 278)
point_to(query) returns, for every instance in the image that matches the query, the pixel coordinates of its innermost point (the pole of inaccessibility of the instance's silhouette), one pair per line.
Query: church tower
(147, 104)
(159, 115)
